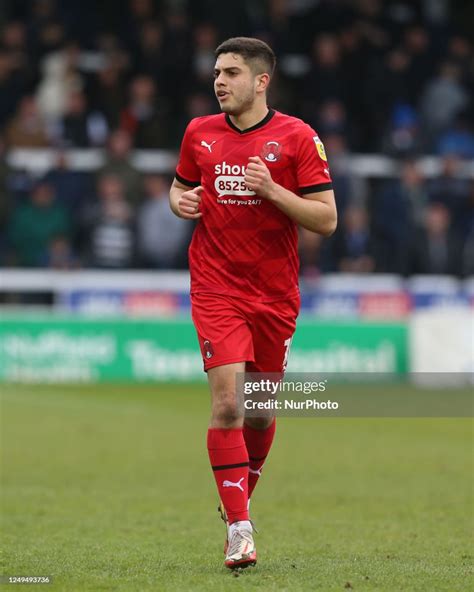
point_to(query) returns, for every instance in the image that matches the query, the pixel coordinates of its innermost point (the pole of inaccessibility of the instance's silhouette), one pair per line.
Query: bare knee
(225, 410)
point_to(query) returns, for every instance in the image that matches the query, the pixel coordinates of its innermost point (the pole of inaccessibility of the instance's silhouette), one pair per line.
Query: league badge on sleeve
(320, 148)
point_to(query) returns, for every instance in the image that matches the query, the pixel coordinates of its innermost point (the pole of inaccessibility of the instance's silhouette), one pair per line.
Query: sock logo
(257, 471)
(228, 483)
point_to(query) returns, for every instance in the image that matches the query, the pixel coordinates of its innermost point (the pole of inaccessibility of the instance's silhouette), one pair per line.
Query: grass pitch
(109, 488)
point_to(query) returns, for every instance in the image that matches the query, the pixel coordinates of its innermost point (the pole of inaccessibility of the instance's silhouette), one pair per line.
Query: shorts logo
(320, 148)
(271, 151)
(287, 344)
(208, 351)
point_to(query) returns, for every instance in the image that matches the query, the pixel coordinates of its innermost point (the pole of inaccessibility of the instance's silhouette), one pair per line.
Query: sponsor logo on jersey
(271, 151)
(230, 180)
(320, 148)
(229, 169)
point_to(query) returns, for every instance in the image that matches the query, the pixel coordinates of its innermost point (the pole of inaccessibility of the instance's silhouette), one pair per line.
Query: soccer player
(248, 176)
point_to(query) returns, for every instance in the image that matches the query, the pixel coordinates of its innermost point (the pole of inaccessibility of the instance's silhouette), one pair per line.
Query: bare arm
(316, 211)
(184, 200)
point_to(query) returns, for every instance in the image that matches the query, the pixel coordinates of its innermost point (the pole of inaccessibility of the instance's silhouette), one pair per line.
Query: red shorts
(235, 330)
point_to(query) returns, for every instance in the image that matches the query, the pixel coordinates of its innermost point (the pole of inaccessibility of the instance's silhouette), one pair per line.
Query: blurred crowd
(393, 77)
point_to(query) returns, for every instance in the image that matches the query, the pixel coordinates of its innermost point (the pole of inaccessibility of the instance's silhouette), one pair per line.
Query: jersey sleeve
(312, 166)
(187, 171)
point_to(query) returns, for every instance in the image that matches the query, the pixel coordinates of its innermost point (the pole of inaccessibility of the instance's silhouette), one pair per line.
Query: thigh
(223, 330)
(273, 326)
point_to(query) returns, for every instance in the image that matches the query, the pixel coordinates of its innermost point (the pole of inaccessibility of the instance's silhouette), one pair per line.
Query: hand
(258, 177)
(188, 204)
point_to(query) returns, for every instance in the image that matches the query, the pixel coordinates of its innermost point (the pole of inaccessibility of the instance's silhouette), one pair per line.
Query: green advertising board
(74, 349)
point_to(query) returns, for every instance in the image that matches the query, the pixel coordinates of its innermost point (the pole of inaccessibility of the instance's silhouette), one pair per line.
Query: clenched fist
(188, 204)
(258, 177)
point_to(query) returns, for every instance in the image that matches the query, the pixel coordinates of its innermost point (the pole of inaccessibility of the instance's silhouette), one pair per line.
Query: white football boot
(241, 551)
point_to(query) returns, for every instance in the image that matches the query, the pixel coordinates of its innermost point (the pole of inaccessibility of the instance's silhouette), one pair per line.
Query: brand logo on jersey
(271, 151)
(208, 146)
(208, 351)
(320, 148)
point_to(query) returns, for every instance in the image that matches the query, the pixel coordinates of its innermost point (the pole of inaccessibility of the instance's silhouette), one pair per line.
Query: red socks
(230, 464)
(258, 444)
(237, 457)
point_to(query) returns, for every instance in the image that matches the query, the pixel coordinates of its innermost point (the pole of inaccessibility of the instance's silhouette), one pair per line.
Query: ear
(263, 80)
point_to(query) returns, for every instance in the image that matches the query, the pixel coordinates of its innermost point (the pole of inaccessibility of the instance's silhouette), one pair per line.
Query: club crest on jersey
(320, 148)
(271, 151)
(208, 351)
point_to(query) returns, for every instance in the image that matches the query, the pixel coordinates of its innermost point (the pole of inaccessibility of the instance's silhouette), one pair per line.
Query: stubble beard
(245, 104)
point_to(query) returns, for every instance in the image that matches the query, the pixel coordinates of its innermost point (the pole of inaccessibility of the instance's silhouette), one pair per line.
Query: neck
(251, 117)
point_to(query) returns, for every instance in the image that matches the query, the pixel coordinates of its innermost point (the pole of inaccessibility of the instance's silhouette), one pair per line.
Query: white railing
(46, 280)
(39, 161)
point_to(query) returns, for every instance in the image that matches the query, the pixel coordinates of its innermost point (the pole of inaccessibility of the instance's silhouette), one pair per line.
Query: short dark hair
(258, 54)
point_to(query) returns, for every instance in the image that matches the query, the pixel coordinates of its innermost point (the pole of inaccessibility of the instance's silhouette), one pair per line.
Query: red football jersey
(243, 245)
